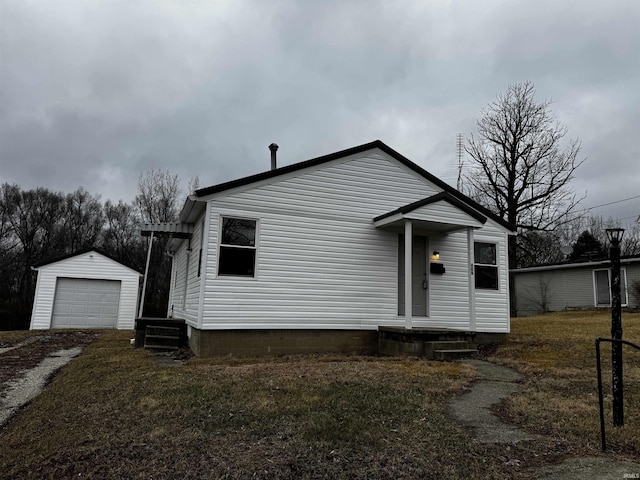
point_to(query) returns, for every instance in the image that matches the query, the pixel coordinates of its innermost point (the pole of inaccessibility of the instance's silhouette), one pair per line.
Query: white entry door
(419, 276)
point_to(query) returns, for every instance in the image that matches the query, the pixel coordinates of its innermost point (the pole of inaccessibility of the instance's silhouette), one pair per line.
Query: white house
(88, 289)
(311, 256)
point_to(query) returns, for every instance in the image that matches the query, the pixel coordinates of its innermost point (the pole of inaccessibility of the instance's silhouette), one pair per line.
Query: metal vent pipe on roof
(274, 148)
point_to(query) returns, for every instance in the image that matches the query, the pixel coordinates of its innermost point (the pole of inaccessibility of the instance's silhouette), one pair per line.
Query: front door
(419, 278)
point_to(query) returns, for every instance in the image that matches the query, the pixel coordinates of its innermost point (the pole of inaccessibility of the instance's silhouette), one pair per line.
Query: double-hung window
(485, 265)
(237, 247)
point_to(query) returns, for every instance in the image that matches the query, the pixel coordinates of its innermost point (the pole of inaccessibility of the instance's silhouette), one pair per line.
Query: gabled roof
(81, 252)
(442, 196)
(452, 192)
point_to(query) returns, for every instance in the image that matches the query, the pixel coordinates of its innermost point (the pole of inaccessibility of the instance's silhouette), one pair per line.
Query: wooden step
(160, 330)
(162, 338)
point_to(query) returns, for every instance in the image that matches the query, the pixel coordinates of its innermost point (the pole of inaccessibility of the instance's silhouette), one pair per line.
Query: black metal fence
(600, 397)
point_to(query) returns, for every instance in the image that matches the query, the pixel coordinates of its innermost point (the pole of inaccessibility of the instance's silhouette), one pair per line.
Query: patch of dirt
(31, 351)
(173, 357)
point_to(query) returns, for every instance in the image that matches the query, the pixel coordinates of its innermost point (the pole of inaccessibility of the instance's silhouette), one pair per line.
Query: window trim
(477, 264)
(255, 247)
(624, 300)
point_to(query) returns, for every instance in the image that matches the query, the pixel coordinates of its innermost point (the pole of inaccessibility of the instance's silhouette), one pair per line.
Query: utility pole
(615, 236)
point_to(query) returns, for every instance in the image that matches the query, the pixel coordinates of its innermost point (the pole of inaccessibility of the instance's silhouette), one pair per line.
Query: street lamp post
(615, 236)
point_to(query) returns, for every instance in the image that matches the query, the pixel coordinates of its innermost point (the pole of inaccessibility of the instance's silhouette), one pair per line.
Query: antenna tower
(460, 151)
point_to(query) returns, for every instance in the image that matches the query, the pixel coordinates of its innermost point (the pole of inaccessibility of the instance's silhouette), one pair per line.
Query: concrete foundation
(255, 343)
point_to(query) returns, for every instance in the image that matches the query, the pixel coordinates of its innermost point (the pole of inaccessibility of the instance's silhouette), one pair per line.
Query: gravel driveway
(26, 366)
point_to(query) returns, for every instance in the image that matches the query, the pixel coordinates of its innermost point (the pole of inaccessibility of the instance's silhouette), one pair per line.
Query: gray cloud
(94, 93)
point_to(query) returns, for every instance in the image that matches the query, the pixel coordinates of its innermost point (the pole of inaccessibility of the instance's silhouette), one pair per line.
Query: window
(237, 247)
(485, 265)
(602, 287)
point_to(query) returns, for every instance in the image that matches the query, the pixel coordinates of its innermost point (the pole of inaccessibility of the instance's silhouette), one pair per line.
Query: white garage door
(84, 303)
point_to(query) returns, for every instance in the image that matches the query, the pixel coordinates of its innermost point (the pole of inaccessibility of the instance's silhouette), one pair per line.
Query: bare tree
(540, 247)
(9, 195)
(158, 196)
(520, 169)
(121, 235)
(34, 217)
(597, 225)
(82, 223)
(193, 184)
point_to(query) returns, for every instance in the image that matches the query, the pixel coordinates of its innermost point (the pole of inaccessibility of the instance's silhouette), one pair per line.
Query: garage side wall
(90, 265)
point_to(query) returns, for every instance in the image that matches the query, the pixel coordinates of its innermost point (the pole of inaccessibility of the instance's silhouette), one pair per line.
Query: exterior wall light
(436, 255)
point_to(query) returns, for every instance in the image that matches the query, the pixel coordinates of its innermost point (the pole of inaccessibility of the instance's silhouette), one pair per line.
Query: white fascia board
(388, 220)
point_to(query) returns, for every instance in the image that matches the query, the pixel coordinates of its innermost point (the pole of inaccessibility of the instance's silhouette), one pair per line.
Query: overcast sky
(92, 93)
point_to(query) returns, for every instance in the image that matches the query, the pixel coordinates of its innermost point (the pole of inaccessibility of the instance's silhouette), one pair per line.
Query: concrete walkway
(24, 389)
(473, 410)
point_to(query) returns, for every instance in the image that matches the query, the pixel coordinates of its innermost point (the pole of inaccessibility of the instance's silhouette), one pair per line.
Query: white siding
(178, 279)
(185, 299)
(320, 261)
(443, 212)
(492, 306)
(90, 265)
(449, 293)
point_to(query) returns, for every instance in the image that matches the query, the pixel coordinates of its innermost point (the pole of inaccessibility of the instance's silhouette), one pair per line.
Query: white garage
(86, 290)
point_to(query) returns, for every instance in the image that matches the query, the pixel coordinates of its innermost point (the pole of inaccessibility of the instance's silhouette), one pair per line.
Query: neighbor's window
(485, 265)
(237, 247)
(602, 287)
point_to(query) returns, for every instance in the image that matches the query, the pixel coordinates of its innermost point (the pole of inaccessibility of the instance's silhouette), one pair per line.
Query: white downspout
(146, 274)
(408, 256)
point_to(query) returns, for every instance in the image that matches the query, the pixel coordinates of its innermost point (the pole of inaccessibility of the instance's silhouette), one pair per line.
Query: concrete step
(430, 347)
(161, 347)
(454, 354)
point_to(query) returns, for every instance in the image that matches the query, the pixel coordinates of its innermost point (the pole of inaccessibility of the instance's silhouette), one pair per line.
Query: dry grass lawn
(114, 412)
(559, 398)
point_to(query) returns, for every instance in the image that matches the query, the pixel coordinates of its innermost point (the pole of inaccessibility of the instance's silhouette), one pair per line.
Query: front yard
(115, 412)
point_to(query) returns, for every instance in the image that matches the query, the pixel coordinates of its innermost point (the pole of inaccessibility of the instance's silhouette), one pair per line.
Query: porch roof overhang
(441, 213)
(167, 229)
(176, 232)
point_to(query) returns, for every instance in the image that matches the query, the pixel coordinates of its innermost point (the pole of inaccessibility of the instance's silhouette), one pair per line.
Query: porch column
(408, 256)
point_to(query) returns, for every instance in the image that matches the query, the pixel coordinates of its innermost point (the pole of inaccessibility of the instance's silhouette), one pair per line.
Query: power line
(607, 204)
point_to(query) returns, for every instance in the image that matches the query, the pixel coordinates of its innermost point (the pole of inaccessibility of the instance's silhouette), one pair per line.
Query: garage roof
(82, 252)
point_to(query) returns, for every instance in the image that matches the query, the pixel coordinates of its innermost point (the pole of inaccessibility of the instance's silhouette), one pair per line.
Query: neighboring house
(551, 288)
(311, 257)
(88, 289)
